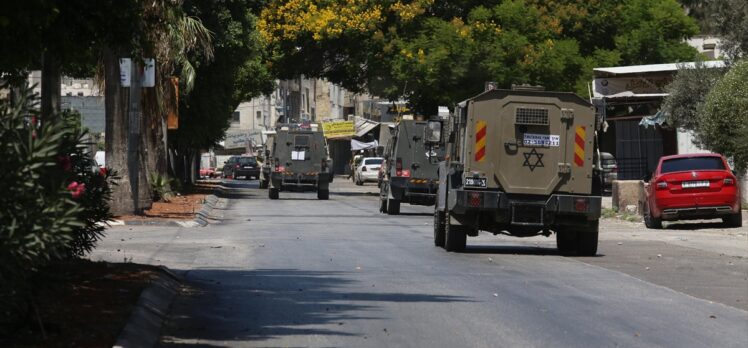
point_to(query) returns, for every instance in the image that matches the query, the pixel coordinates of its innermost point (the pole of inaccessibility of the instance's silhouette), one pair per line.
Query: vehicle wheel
(734, 220)
(393, 207)
(587, 239)
(273, 193)
(651, 221)
(323, 194)
(566, 242)
(454, 235)
(439, 231)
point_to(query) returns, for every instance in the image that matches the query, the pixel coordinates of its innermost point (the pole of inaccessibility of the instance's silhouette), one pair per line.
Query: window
(259, 114)
(247, 160)
(373, 161)
(692, 163)
(301, 141)
(235, 117)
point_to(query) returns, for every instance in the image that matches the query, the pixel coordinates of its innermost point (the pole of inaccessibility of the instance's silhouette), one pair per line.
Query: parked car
(368, 170)
(610, 169)
(694, 186)
(209, 172)
(241, 166)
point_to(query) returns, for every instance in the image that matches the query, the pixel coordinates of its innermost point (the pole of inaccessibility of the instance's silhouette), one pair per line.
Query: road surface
(298, 272)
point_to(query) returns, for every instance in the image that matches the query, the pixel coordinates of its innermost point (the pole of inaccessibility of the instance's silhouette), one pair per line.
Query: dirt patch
(82, 304)
(179, 207)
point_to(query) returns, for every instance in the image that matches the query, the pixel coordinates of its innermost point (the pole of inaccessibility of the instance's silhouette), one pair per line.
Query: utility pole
(133, 142)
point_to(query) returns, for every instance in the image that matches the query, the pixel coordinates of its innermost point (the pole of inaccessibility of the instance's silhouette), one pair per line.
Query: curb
(168, 223)
(143, 328)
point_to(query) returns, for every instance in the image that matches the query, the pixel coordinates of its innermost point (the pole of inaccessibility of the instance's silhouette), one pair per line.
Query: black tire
(393, 207)
(455, 238)
(651, 221)
(273, 193)
(566, 242)
(587, 239)
(323, 194)
(439, 231)
(734, 220)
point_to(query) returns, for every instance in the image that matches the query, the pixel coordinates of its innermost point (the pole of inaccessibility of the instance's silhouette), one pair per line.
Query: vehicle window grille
(532, 116)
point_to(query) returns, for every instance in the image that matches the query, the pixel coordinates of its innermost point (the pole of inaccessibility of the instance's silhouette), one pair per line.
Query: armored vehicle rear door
(412, 152)
(526, 143)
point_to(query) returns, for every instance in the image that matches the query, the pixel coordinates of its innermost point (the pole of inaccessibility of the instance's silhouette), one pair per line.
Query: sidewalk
(341, 185)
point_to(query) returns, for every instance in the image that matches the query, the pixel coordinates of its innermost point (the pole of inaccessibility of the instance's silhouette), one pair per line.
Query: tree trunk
(116, 134)
(51, 79)
(123, 153)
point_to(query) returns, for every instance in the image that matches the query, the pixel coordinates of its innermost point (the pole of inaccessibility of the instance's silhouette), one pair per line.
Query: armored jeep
(298, 161)
(520, 162)
(409, 168)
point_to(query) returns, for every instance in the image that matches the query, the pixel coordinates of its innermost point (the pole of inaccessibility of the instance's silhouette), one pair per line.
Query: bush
(51, 202)
(724, 117)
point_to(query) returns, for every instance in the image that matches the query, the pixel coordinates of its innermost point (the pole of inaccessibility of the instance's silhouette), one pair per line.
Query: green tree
(686, 95)
(440, 52)
(724, 117)
(237, 73)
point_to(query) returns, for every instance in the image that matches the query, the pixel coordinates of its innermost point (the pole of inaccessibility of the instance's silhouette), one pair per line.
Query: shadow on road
(692, 226)
(509, 250)
(226, 305)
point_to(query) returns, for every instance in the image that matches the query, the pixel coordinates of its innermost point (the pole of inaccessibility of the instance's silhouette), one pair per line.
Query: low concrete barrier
(628, 196)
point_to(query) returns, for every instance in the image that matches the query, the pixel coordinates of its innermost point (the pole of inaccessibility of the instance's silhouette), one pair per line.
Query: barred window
(532, 116)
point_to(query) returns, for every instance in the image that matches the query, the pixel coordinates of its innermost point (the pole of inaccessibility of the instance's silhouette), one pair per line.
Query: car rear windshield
(692, 163)
(373, 161)
(247, 160)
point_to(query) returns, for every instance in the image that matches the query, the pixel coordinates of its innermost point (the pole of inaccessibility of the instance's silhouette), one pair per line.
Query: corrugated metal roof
(652, 68)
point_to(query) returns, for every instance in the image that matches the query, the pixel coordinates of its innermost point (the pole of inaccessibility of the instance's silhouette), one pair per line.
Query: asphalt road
(298, 272)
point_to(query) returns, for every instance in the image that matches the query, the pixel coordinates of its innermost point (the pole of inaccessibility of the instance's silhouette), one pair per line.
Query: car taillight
(280, 168)
(661, 185)
(729, 181)
(615, 169)
(581, 204)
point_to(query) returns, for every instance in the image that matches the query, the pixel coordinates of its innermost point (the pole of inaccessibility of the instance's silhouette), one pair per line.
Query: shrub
(52, 202)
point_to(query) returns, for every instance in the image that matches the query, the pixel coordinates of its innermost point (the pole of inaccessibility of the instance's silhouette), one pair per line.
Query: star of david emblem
(533, 155)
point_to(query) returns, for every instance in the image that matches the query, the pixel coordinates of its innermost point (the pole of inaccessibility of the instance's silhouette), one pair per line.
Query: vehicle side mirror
(432, 134)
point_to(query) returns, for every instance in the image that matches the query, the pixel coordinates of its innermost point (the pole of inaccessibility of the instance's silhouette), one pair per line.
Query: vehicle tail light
(474, 199)
(237, 166)
(581, 204)
(729, 181)
(399, 168)
(661, 185)
(615, 169)
(280, 168)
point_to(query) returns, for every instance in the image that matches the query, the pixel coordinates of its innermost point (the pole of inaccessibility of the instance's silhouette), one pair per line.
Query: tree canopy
(723, 117)
(440, 52)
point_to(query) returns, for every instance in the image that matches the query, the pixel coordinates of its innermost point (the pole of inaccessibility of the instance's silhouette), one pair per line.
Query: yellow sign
(338, 129)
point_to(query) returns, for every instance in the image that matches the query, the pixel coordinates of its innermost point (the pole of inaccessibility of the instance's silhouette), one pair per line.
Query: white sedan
(368, 170)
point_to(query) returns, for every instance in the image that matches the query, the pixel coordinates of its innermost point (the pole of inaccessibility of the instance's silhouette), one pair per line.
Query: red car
(695, 186)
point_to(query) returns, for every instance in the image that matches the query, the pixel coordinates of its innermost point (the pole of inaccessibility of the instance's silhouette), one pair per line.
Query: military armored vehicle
(409, 168)
(519, 162)
(298, 160)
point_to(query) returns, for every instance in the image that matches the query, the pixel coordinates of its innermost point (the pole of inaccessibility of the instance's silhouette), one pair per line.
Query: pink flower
(76, 189)
(64, 162)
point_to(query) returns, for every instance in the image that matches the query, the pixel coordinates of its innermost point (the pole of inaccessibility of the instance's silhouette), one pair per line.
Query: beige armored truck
(519, 162)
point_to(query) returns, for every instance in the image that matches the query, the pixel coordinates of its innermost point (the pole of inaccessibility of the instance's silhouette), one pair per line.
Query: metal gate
(638, 149)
